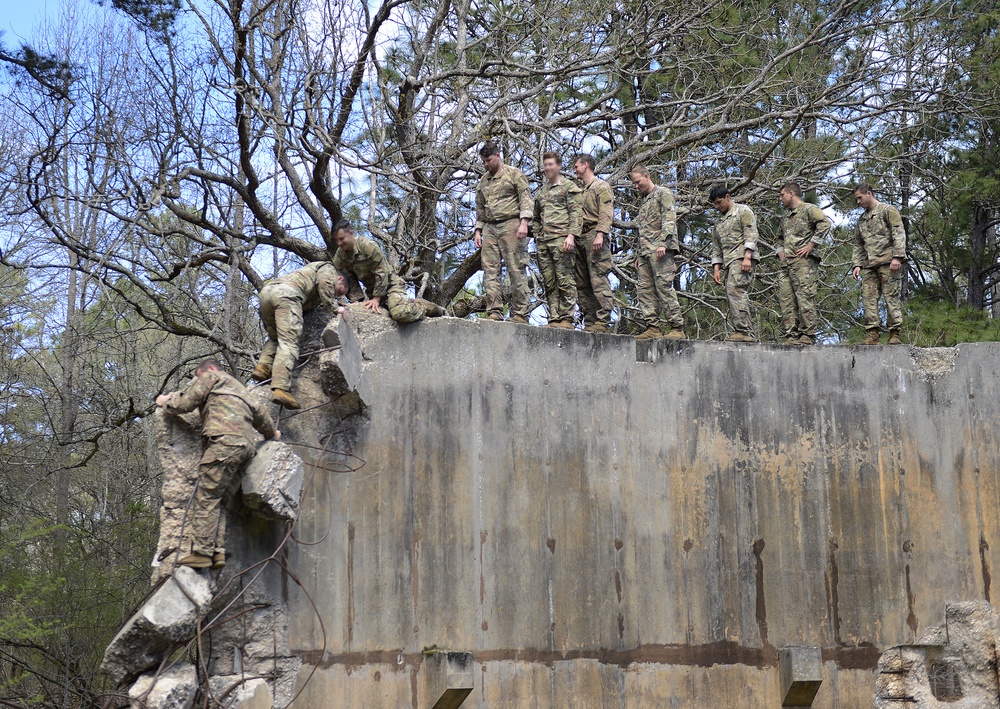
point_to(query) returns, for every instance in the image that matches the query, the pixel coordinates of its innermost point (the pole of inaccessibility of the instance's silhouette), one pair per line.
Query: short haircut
(718, 192)
(863, 188)
(792, 187)
(488, 149)
(639, 170)
(208, 363)
(586, 158)
(552, 155)
(343, 224)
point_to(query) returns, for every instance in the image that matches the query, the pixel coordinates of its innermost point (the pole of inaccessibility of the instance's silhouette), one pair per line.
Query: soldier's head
(207, 365)
(551, 165)
(641, 179)
(341, 289)
(584, 165)
(490, 155)
(343, 236)
(864, 196)
(790, 195)
(720, 198)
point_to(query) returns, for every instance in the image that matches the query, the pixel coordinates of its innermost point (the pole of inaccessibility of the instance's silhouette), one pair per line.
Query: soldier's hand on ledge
(162, 400)
(372, 305)
(277, 435)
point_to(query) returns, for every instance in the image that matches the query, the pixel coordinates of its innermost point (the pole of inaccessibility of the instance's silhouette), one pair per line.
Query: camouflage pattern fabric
(501, 246)
(657, 298)
(801, 225)
(882, 279)
(798, 282)
(557, 269)
(557, 211)
(734, 233)
(502, 197)
(879, 237)
(226, 407)
(738, 297)
(368, 264)
(591, 274)
(657, 222)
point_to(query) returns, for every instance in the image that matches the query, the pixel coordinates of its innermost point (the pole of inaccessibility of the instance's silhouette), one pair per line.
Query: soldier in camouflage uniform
(655, 259)
(593, 252)
(879, 253)
(734, 248)
(802, 229)
(556, 225)
(230, 418)
(283, 301)
(503, 211)
(361, 258)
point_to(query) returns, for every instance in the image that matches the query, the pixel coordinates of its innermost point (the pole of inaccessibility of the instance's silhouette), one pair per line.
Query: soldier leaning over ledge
(879, 253)
(229, 417)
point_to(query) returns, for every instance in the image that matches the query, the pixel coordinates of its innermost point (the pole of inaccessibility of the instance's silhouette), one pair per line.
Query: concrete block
(272, 482)
(446, 679)
(174, 688)
(169, 617)
(801, 672)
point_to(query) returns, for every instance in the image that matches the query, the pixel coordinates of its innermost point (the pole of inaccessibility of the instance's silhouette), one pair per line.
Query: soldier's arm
(668, 221)
(480, 207)
(381, 269)
(191, 396)
(574, 204)
(821, 224)
(536, 217)
(895, 222)
(525, 203)
(262, 420)
(605, 208)
(326, 285)
(716, 246)
(748, 222)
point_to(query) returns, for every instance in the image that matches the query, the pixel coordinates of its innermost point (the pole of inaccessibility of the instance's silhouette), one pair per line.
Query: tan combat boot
(561, 324)
(793, 340)
(431, 310)
(650, 333)
(807, 340)
(261, 373)
(739, 337)
(284, 398)
(598, 327)
(196, 561)
(677, 333)
(894, 337)
(874, 337)
(219, 560)
(519, 320)
(495, 317)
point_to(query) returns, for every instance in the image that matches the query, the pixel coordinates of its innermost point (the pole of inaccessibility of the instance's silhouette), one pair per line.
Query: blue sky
(17, 17)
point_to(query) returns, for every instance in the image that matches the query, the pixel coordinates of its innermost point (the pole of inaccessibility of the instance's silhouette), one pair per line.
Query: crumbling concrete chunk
(174, 688)
(169, 617)
(272, 483)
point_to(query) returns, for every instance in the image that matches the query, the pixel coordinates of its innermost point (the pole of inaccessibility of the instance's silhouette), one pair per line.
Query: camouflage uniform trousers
(798, 281)
(281, 313)
(205, 527)
(402, 308)
(593, 288)
(657, 298)
(738, 297)
(556, 268)
(500, 242)
(881, 279)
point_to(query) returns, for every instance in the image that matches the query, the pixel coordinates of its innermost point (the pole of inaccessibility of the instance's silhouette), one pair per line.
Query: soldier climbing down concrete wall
(229, 417)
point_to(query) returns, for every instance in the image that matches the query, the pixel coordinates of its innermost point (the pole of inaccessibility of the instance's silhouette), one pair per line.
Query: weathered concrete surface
(953, 665)
(801, 672)
(606, 523)
(272, 482)
(173, 688)
(168, 617)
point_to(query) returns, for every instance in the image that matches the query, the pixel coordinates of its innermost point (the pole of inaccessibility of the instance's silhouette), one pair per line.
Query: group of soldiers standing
(571, 223)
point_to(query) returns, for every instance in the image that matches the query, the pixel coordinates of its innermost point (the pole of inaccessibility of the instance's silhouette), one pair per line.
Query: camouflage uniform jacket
(801, 225)
(735, 232)
(557, 210)
(598, 208)
(227, 409)
(657, 222)
(502, 196)
(316, 282)
(879, 237)
(368, 264)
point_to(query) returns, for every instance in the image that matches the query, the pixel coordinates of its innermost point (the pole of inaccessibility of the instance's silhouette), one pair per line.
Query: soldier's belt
(501, 221)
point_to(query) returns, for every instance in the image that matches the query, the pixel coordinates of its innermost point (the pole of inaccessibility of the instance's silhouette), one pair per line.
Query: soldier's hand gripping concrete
(361, 258)
(229, 419)
(283, 301)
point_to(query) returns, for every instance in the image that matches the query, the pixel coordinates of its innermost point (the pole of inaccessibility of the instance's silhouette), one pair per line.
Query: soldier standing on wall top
(655, 259)
(283, 301)
(593, 250)
(734, 248)
(879, 253)
(503, 210)
(802, 229)
(556, 225)
(229, 416)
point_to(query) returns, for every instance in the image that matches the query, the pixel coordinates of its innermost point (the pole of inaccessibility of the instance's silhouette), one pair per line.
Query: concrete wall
(606, 523)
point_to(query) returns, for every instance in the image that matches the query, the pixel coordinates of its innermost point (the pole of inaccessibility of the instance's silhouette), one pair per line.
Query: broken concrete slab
(272, 482)
(445, 680)
(168, 618)
(173, 688)
(801, 672)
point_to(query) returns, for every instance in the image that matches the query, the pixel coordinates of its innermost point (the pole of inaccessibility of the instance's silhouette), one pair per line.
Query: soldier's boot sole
(561, 325)
(431, 310)
(519, 320)
(739, 337)
(261, 373)
(676, 334)
(599, 328)
(284, 398)
(650, 333)
(196, 561)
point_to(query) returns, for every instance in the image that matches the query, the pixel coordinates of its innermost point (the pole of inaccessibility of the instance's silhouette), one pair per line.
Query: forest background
(160, 159)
